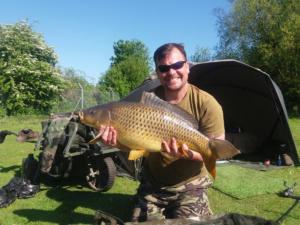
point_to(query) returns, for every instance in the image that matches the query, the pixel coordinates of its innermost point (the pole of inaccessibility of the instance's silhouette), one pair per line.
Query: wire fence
(78, 98)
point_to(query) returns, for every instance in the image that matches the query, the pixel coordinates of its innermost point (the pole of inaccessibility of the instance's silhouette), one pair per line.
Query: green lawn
(76, 204)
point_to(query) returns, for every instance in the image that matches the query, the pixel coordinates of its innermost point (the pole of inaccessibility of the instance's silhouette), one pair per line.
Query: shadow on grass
(14, 168)
(119, 205)
(289, 212)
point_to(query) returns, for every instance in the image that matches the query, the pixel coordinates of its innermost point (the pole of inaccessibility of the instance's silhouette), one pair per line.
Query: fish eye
(92, 111)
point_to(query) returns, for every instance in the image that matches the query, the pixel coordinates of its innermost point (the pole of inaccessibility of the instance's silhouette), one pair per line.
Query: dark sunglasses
(176, 66)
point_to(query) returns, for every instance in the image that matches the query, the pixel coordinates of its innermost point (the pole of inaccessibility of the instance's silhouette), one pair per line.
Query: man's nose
(172, 71)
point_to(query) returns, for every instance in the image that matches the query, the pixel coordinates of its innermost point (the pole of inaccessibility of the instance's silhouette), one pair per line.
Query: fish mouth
(86, 119)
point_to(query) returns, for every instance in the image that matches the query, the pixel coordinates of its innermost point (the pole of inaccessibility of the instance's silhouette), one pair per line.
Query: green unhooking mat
(240, 182)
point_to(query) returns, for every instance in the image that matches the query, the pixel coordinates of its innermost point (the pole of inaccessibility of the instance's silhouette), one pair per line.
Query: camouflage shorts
(186, 201)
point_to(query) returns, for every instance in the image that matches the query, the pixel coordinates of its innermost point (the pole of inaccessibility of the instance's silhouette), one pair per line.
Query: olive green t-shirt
(165, 170)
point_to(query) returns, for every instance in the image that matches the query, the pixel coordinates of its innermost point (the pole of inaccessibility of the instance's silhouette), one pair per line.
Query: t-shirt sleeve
(212, 121)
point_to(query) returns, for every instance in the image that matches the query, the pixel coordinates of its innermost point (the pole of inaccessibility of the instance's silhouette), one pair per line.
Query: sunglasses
(176, 66)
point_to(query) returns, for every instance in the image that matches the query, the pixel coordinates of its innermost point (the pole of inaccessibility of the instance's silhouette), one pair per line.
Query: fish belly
(136, 142)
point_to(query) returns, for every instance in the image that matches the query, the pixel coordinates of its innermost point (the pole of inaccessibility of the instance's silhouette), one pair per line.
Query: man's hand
(108, 135)
(183, 152)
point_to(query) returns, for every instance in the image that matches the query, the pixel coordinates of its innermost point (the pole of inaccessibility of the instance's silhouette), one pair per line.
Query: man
(173, 186)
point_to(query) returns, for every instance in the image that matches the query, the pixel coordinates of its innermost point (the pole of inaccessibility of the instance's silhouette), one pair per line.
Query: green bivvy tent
(255, 115)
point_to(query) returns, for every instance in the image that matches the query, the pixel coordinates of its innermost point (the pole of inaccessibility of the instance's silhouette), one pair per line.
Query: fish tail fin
(211, 167)
(222, 149)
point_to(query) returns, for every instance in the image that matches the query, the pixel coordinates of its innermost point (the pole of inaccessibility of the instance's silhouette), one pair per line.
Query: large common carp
(142, 126)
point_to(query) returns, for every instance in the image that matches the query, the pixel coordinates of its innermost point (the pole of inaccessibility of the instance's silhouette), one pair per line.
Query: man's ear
(187, 64)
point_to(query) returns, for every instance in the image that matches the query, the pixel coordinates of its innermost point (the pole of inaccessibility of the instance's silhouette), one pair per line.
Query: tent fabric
(252, 103)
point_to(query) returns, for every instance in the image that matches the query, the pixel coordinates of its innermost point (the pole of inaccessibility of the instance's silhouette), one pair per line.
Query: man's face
(173, 79)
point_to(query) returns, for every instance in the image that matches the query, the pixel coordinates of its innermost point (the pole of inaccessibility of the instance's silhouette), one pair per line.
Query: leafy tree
(124, 76)
(29, 81)
(133, 48)
(128, 69)
(265, 34)
(201, 55)
(74, 77)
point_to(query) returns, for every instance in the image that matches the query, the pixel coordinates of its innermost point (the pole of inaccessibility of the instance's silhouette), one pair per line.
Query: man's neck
(174, 97)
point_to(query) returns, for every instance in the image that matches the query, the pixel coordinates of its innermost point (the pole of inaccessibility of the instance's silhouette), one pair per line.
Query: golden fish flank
(141, 127)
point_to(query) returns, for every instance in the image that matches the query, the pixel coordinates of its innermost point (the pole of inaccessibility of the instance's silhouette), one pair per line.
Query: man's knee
(148, 214)
(195, 205)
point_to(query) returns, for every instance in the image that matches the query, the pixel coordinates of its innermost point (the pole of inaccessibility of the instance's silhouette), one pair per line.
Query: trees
(133, 48)
(29, 81)
(129, 67)
(74, 77)
(201, 55)
(265, 34)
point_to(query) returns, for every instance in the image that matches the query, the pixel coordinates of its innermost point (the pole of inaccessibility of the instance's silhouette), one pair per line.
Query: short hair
(165, 49)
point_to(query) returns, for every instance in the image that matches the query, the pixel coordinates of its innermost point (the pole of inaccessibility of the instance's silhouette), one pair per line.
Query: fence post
(82, 97)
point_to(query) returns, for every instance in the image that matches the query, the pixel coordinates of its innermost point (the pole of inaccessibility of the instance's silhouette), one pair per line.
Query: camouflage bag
(55, 131)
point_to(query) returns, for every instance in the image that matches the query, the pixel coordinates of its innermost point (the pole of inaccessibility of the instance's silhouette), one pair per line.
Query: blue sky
(82, 33)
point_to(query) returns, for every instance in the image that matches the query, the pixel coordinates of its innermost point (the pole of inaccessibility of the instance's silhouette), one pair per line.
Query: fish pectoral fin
(136, 154)
(94, 141)
(223, 149)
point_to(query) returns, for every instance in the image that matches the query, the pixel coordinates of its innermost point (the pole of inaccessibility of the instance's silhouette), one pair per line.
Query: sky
(82, 33)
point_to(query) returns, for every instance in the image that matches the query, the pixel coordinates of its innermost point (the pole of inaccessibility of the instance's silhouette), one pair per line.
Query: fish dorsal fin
(149, 98)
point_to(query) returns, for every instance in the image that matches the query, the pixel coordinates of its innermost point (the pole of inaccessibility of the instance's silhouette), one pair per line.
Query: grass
(240, 183)
(74, 203)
